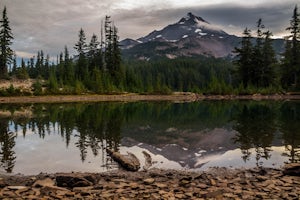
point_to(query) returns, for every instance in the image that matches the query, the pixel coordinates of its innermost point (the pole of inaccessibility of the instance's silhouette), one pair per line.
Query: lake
(53, 138)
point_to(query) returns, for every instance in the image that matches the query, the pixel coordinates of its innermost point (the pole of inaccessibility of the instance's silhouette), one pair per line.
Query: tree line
(257, 64)
(98, 66)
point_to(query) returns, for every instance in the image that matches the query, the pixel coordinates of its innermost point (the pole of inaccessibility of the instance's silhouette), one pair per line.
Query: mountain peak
(191, 19)
(190, 26)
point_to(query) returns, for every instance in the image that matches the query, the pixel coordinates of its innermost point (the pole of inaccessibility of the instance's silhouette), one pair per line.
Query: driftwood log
(128, 162)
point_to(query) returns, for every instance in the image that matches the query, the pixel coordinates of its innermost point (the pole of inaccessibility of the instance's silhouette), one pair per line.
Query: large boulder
(292, 169)
(74, 180)
(128, 162)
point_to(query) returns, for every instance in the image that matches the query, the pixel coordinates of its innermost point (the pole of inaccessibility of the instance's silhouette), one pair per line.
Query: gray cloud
(50, 25)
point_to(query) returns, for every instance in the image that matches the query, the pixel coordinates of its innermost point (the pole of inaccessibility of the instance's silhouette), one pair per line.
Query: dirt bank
(131, 97)
(128, 97)
(217, 183)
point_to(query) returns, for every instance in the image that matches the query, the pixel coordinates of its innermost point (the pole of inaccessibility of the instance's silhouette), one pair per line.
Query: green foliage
(10, 91)
(291, 63)
(79, 87)
(181, 74)
(53, 85)
(37, 88)
(256, 63)
(6, 37)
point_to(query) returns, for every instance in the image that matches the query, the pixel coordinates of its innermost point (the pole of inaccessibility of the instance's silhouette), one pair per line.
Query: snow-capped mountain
(190, 36)
(189, 26)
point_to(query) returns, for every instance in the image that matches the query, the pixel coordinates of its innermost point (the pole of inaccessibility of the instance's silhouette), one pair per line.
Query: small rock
(80, 189)
(213, 182)
(149, 181)
(160, 185)
(14, 187)
(134, 185)
(261, 194)
(202, 186)
(179, 196)
(44, 182)
(262, 178)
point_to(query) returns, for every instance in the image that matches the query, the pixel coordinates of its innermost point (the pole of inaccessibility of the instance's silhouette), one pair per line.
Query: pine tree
(291, 61)
(93, 53)
(80, 46)
(69, 69)
(108, 44)
(6, 37)
(267, 74)
(257, 57)
(112, 51)
(116, 52)
(245, 67)
(22, 72)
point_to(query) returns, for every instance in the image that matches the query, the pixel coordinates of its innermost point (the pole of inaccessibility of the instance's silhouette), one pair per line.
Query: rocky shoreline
(216, 183)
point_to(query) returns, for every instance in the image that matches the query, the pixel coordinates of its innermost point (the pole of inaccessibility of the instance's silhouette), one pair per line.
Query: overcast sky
(49, 25)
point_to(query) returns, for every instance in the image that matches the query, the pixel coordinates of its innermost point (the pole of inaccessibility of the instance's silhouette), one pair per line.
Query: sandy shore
(131, 97)
(217, 183)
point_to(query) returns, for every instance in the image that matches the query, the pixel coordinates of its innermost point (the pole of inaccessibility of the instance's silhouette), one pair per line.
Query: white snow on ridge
(158, 36)
(202, 34)
(185, 36)
(181, 23)
(198, 30)
(171, 40)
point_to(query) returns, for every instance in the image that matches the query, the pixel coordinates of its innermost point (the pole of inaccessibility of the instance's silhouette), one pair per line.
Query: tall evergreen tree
(69, 69)
(80, 46)
(291, 61)
(93, 53)
(244, 61)
(112, 50)
(257, 57)
(267, 74)
(6, 37)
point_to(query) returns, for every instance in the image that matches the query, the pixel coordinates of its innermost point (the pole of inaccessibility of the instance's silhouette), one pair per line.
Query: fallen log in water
(129, 162)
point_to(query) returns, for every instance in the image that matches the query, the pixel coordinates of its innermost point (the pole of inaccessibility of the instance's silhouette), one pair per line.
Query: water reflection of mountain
(179, 132)
(187, 147)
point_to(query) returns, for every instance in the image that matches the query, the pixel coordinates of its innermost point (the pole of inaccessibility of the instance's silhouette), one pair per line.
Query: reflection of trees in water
(256, 126)
(98, 126)
(7, 143)
(95, 126)
(290, 127)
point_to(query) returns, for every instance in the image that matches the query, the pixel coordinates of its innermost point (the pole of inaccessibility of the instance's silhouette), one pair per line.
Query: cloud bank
(50, 25)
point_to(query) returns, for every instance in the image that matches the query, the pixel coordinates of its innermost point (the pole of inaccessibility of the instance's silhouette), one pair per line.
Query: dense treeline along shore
(100, 68)
(216, 183)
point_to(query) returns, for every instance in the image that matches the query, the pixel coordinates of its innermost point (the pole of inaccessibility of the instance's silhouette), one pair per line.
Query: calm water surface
(73, 137)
